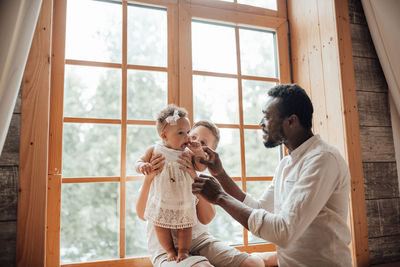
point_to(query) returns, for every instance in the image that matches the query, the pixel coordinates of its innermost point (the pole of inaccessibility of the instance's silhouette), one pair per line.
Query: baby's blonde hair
(165, 113)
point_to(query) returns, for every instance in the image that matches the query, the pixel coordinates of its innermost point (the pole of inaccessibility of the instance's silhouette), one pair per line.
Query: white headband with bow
(173, 118)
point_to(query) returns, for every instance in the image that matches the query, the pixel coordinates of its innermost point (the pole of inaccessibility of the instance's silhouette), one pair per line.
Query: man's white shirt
(304, 210)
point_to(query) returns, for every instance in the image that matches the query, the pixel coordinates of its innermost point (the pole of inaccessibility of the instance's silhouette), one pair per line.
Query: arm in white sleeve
(266, 202)
(316, 182)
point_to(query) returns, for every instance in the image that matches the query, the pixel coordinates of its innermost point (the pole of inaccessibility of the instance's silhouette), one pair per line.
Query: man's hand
(208, 187)
(212, 162)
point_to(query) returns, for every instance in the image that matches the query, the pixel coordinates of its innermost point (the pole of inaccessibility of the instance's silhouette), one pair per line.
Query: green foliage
(89, 222)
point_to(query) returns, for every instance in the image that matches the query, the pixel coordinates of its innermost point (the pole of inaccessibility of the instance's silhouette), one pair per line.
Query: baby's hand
(194, 146)
(145, 168)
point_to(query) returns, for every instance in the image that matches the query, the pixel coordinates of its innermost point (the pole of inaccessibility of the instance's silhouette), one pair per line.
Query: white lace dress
(171, 203)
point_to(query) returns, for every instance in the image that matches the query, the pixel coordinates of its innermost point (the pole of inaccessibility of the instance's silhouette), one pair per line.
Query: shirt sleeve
(266, 202)
(317, 180)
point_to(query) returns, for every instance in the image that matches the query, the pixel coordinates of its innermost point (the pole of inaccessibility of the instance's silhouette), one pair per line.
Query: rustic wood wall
(9, 161)
(379, 164)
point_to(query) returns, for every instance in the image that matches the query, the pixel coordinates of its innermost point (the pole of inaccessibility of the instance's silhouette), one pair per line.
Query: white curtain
(17, 25)
(383, 17)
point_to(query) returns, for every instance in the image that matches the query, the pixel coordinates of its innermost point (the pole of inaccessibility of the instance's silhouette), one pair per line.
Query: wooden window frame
(40, 178)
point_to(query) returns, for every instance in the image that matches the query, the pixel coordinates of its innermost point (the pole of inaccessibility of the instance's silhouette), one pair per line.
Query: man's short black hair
(293, 100)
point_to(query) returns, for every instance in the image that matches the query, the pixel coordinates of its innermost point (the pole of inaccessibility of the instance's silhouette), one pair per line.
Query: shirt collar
(300, 150)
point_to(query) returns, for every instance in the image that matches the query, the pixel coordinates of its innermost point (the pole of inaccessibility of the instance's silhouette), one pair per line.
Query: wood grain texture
(17, 108)
(369, 75)
(124, 103)
(373, 109)
(385, 249)
(136, 262)
(356, 12)
(8, 231)
(10, 153)
(32, 195)
(53, 224)
(9, 192)
(173, 54)
(380, 179)
(377, 144)
(240, 7)
(185, 60)
(360, 249)
(55, 135)
(383, 217)
(322, 63)
(373, 219)
(236, 17)
(362, 42)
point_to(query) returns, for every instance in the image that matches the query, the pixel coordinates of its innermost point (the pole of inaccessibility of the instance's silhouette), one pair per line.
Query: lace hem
(170, 218)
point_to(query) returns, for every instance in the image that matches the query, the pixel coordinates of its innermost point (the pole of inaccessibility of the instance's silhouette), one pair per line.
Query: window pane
(257, 53)
(256, 190)
(147, 94)
(260, 161)
(270, 4)
(225, 228)
(91, 150)
(215, 99)
(254, 98)
(229, 151)
(147, 36)
(136, 241)
(92, 92)
(139, 138)
(98, 37)
(213, 48)
(89, 222)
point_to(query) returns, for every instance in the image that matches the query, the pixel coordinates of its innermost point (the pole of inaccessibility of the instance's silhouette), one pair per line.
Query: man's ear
(293, 120)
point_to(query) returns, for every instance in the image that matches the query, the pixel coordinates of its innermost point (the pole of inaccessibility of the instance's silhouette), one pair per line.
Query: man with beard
(304, 210)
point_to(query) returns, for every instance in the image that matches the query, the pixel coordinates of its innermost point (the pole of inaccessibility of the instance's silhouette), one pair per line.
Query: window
(121, 63)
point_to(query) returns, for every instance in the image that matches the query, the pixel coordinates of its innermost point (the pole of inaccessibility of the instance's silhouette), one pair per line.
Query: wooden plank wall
(322, 64)
(379, 164)
(32, 182)
(9, 164)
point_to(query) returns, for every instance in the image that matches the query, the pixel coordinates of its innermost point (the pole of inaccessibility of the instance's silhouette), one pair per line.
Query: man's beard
(272, 143)
(280, 139)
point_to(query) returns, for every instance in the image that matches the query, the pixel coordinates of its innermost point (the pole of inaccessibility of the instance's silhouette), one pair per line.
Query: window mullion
(123, 129)
(185, 60)
(173, 53)
(241, 129)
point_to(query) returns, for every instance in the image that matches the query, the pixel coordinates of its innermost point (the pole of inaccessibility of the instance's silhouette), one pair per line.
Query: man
(205, 250)
(304, 211)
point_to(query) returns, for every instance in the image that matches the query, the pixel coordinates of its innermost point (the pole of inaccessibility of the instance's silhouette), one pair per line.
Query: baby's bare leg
(165, 239)
(184, 242)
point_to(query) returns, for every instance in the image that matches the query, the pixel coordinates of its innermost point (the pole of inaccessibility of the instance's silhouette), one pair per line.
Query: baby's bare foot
(171, 256)
(182, 255)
